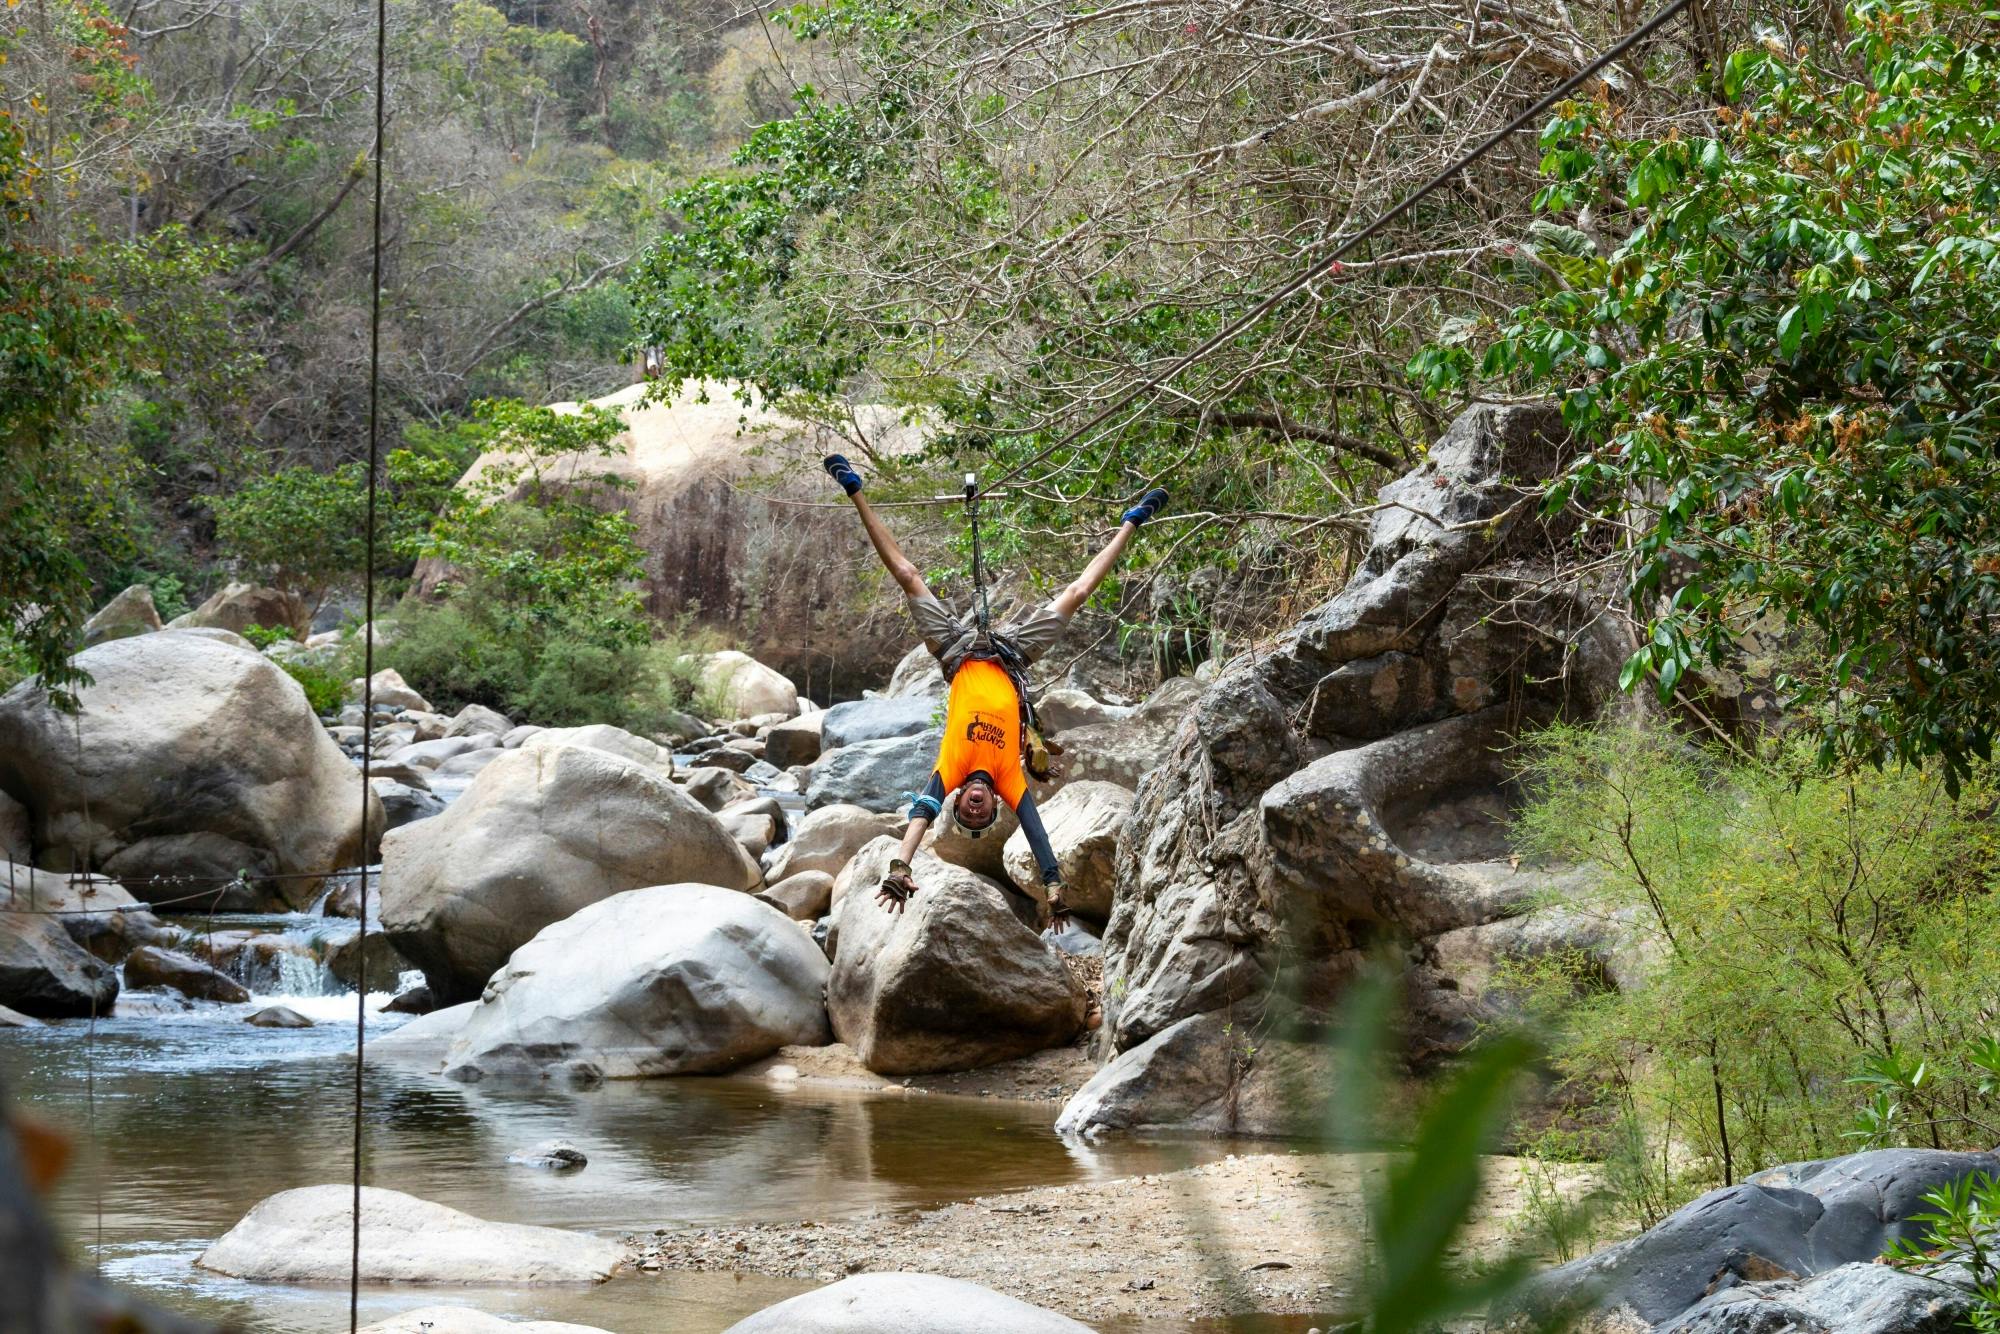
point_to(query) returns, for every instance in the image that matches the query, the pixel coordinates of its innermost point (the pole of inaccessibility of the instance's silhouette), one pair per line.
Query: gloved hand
(1149, 505)
(897, 886)
(1059, 911)
(840, 470)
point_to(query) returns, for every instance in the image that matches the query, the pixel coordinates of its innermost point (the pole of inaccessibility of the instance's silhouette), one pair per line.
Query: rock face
(99, 915)
(827, 839)
(16, 838)
(669, 980)
(240, 606)
(1780, 1226)
(151, 966)
(877, 775)
(46, 974)
(1126, 749)
(539, 835)
(303, 1236)
(1083, 820)
(905, 1304)
(1853, 1299)
(189, 757)
(1206, 1074)
(130, 613)
(877, 720)
(745, 687)
(1340, 785)
(953, 982)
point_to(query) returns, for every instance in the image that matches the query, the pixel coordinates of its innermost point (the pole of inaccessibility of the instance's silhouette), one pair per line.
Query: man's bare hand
(896, 888)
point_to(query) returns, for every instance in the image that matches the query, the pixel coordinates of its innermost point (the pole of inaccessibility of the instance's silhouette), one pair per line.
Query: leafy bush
(325, 684)
(1960, 1245)
(1809, 942)
(1788, 372)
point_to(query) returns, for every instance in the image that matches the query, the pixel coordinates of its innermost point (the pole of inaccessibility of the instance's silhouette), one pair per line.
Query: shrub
(1819, 951)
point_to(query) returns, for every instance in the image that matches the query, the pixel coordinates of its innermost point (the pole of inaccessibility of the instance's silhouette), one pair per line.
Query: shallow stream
(187, 1119)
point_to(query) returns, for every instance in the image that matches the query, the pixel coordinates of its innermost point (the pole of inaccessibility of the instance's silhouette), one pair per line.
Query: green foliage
(299, 529)
(325, 683)
(1792, 366)
(1796, 932)
(1959, 1245)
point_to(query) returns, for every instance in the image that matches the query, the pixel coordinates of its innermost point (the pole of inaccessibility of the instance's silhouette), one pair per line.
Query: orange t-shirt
(982, 730)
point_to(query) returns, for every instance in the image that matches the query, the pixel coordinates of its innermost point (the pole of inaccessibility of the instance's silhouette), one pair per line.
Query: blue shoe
(1149, 505)
(840, 470)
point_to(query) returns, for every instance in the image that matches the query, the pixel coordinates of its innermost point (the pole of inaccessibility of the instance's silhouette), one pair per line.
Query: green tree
(1787, 375)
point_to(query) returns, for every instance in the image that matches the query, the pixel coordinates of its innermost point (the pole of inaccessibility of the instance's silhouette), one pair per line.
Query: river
(185, 1120)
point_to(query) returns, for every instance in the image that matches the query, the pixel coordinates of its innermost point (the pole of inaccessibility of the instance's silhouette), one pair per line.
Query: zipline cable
(368, 639)
(1331, 262)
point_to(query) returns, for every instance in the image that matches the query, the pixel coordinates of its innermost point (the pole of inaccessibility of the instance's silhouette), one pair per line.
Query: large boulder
(953, 982)
(16, 835)
(153, 966)
(917, 675)
(1124, 749)
(189, 758)
(237, 607)
(804, 897)
(877, 719)
(795, 741)
(1083, 820)
(827, 839)
(130, 613)
(1858, 1298)
(100, 915)
(905, 1304)
(878, 775)
(468, 1320)
(476, 720)
(46, 974)
(1791, 1222)
(742, 687)
(305, 1236)
(1204, 1074)
(539, 835)
(669, 980)
(1340, 785)
(387, 689)
(603, 736)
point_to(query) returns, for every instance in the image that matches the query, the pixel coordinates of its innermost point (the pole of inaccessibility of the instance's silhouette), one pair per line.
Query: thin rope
(1330, 263)
(368, 642)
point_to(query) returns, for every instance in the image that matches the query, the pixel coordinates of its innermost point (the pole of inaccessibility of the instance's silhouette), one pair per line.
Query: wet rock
(385, 964)
(827, 839)
(130, 613)
(237, 607)
(303, 1236)
(278, 1016)
(1084, 820)
(744, 687)
(46, 974)
(1126, 749)
(423, 1041)
(539, 835)
(795, 742)
(953, 982)
(715, 787)
(1800, 1220)
(403, 804)
(556, 1155)
(466, 1320)
(603, 736)
(877, 775)
(667, 980)
(877, 720)
(257, 785)
(388, 689)
(1203, 1074)
(905, 1304)
(478, 720)
(15, 1019)
(151, 966)
(804, 897)
(417, 1000)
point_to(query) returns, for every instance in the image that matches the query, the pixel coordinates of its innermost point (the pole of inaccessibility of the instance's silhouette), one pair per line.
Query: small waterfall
(304, 975)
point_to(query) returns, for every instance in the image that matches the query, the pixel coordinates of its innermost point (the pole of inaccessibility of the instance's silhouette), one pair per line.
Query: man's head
(978, 804)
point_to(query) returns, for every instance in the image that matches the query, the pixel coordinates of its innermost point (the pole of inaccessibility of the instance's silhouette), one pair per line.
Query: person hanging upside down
(988, 726)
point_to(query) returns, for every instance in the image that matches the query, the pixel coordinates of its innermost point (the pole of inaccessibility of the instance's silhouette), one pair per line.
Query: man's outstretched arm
(1070, 599)
(900, 567)
(899, 884)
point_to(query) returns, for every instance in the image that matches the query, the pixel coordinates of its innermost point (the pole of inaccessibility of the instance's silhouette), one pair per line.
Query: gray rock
(1127, 749)
(556, 1155)
(917, 675)
(744, 687)
(130, 613)
(512, 740)
(425, 756)
(403, 804)
(716, 788)
(877, 775)
(423, 1041)
(478, 720)
(1064, 706)
(151, 966)
(876, 720)
(385, 964)
(99, 915)
(905, 1304)
(188, 757)
(237, 607)
(668, 980)
(468, 1320)
(1799, 1220)
(1203, 1074)
(735, 760)
(278, 1016)
(15, 839)
(953, 982)
(540, 834)
(45, 974)
(804, 897)
(796, 741)
(15, 1019)
(1853, 1299)
(387, 688)
(417, 1000)
(600, 736)
(1084, 820)
(827, 839)
(450, 779)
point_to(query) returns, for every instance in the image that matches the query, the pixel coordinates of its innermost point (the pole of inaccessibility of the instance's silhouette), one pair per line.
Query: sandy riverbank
(1276, 1232)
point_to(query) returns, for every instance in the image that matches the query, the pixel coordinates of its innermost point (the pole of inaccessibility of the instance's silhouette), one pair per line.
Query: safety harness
(989, 645)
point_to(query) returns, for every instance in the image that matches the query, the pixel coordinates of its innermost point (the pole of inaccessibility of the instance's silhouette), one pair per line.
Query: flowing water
(187, 1119)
